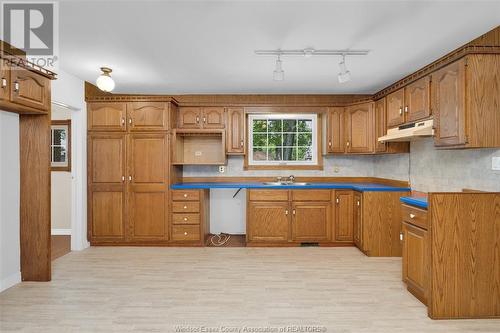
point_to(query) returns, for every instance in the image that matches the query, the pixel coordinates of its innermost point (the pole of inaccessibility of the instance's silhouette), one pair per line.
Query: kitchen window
(283, 140)
(60, 145)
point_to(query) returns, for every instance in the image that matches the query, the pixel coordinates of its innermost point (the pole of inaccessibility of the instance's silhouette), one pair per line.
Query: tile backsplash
(427, 168)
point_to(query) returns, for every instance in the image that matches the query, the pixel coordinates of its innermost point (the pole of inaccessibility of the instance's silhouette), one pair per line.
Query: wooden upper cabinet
(448, 91)
(213, 117)
(395, 108)
(189, 117)
(106, 158)
(106, 116)
(344, 216)
(417, 99)
(268, 221)
(335, 142)
(4, 81)
(359, 127)
(235, 133)
(380, 124)
(148, 159)
(148, 116)
(30, 89)
(311, 221)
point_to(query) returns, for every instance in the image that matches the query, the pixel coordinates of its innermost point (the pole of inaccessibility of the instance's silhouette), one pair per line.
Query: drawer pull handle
(185, 207)
(185, 219)
(185, 195)
(185, 233)
(16, 86)
(412, 216)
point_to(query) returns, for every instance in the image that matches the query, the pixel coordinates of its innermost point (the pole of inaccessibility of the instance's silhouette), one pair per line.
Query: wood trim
(35, 233)
(66, 122)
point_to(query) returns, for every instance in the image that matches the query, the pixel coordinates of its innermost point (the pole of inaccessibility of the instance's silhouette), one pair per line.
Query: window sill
(283, 167)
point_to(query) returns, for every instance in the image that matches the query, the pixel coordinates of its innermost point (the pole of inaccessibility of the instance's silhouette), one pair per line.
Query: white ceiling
(175, 47)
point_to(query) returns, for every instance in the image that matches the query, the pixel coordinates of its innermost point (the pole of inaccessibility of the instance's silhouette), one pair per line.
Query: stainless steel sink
(285, 183)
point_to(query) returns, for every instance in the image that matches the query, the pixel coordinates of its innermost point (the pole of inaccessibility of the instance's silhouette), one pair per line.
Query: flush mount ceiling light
(278, 74)
(104, 81)
(343, 76)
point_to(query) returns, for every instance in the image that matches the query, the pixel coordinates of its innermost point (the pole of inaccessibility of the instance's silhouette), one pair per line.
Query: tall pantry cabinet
(128, 171)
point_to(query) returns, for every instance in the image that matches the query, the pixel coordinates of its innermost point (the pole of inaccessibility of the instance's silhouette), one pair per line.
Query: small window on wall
(283, 139)
(61, 145)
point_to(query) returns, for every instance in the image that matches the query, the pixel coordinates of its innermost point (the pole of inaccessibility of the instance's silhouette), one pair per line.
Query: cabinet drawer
(268, 195)
(186, 195)
(186, 233)
(186, 218)
(311, 195)
(185, 207)
(414, 216)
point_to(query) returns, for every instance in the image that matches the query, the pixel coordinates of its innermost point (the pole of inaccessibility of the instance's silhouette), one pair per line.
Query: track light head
(344, 75)
(279, 73)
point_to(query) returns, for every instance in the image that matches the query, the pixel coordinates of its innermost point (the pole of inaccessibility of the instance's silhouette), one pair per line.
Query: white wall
(10, 263)
(69, 90)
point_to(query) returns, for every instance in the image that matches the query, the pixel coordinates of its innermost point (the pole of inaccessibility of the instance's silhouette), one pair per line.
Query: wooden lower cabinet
(268, 221)
(189, 218)
(106, 215)
(344, 216)
(311, 221)
(415, 260)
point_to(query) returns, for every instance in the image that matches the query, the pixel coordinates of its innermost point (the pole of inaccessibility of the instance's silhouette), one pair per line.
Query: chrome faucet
(278, 179)
(291, 178)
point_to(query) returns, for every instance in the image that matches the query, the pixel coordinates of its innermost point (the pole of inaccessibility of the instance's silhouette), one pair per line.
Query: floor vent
(309, 244)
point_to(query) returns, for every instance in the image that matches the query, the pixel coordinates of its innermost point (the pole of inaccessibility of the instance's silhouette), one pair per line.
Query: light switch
(495, 163)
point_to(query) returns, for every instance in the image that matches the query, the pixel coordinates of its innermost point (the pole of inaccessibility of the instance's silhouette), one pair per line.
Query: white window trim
(313, 117)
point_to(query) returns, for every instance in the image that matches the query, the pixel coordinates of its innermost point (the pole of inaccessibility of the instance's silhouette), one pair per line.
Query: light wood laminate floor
(120, 289)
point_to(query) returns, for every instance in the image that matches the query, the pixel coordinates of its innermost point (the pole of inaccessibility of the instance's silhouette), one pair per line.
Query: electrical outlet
(495, 163)
(222, 168)
(336, 169)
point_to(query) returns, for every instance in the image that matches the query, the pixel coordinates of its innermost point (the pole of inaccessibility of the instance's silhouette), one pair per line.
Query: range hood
(408, 131)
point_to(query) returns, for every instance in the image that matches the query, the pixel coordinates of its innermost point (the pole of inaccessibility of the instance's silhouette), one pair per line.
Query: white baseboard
(60, 232)
(10, 281)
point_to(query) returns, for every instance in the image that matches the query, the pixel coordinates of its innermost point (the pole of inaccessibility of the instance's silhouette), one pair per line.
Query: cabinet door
(213, 117)
(189, 117)
(395, 104)
(148, 186)
(268, 221)
(359, 122)
(4, 81)
(358, 222)
(148, 116)
(380, 125)
(235, 133)
(415, 259)
(344, 216)
(448, 91)
(30, 89)
(417, 99)
(335, 130)
(311, 221)
(106, 116)
(107, 188)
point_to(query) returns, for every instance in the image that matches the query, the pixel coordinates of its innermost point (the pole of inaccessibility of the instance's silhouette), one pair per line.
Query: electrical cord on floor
(221, 240)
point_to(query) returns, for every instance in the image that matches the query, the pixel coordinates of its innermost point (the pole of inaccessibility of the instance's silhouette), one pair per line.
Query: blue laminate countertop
(362, 187)
(415, 201)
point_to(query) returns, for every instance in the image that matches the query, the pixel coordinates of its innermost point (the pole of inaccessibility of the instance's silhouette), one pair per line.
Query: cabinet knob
(4, 82)
(123, 178)
(406, 109)
(204, 120)
(357, 202)
(185, 207)
(401, 236)
(185, 219)
(16, 86)
(400, 111)
(412, 216)
(185, 195)
(329, 143)
(129, 178)
(286, 211)
(130, 121)
(293, 212)
(241, 143)
(185, 233)
(123, 121)
(348, 144)
(197, 119)
(337, 200)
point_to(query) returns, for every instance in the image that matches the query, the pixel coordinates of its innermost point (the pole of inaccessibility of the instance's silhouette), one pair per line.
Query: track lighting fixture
(278, 74)
(344, 75)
